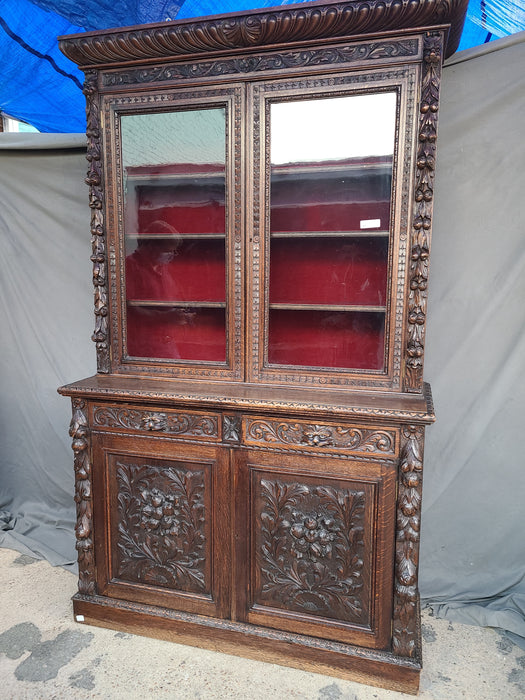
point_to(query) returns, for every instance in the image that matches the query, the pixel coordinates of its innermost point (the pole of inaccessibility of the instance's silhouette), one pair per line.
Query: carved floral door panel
(161, 540)
(317, 555)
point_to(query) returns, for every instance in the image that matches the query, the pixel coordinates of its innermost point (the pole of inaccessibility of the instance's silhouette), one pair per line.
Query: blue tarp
(40, 86)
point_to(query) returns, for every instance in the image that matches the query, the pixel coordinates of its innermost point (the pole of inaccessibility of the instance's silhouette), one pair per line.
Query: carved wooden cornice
(225, 33)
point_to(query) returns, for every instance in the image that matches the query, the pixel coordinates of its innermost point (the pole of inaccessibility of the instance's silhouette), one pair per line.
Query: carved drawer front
(320, 552)
(157, 421)
(159, 544)
(321, 436)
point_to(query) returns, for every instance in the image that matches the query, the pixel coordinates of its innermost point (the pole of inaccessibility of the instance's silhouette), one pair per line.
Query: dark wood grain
(244, 504)
(310, 22)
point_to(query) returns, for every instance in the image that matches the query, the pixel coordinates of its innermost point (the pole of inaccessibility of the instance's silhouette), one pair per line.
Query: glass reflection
(331, 182)
(174, 188)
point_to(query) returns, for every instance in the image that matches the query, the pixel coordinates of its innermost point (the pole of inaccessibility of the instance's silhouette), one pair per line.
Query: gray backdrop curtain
(472, 555)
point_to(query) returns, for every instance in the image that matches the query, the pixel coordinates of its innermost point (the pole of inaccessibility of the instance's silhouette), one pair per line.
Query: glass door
(328, 165)
(180, 258)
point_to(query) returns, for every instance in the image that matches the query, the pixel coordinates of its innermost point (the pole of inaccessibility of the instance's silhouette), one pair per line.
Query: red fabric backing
(187, 334)
(182, 209)
(328, 270)
(326, 339)
(181, 270)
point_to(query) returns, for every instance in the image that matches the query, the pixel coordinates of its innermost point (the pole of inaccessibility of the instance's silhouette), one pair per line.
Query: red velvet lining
(328, 270)
(187, 334)
(181, 270)
(353, 340)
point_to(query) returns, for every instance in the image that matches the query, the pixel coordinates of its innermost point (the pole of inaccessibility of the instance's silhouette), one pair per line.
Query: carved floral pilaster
(408, 517)
(424, 195)
(98, 238)
(79, 431)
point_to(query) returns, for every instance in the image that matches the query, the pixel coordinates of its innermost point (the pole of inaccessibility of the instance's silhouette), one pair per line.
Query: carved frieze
(424, 195)
(79, 431)
(307, 58)
(297, 434)
(310, 549)
(161, 534)
(170, 422)
(405, 632)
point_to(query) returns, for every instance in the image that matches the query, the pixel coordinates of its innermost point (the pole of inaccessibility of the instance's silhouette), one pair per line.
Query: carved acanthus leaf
(155, 421)
(98, 238)
(405, 634)
(79, 431)
(314, 435)
(424, 193)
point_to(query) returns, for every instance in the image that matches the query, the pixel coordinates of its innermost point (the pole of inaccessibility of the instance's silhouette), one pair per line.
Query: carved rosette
(161, 537)
(310, 549)
(154, 421)
(96, 203)
(331, 436)
(424, 194)
(231, 428)
(78, 430)
(405, 634)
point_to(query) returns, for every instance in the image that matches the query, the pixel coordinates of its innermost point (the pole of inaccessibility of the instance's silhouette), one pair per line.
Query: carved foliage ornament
(78, 430)
(310, 549)
(405, 634)
(424, 194)
(309, 435)
(154, 421)
(373, 50)
(263, 28)
(161, 526)
(96, 203)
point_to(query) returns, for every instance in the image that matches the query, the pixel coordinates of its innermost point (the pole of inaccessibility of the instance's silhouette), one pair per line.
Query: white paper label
(370, 223)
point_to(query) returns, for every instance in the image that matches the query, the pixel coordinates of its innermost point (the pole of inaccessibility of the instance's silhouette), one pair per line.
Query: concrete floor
(44, 654)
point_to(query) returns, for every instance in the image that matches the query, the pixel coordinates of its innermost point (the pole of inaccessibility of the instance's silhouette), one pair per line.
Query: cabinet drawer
(154, 420)
(330, 437)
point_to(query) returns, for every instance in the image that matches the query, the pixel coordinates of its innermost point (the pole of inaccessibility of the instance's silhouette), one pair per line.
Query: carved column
(408, 517)
(98, 239)
(83, 498)
(424, 195)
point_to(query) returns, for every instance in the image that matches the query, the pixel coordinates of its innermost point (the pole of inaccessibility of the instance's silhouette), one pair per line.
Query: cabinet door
(159, 509)
(176, 224)
(329, 224)
(314, 551)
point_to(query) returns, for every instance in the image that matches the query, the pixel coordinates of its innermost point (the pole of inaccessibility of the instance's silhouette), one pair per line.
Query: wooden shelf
(363, 233)
(177, 304)
(176, 236)
(327, 307)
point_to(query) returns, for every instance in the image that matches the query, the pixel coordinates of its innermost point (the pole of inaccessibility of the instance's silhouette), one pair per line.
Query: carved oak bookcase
(248, 457)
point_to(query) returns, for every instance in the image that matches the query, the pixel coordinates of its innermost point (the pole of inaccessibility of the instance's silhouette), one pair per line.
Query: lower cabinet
(272, 538)
(292, 542)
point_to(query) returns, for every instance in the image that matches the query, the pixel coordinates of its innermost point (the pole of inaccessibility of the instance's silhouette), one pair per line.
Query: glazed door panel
(179, 263)
(329, 221)
(317, 558)
(160, 538)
